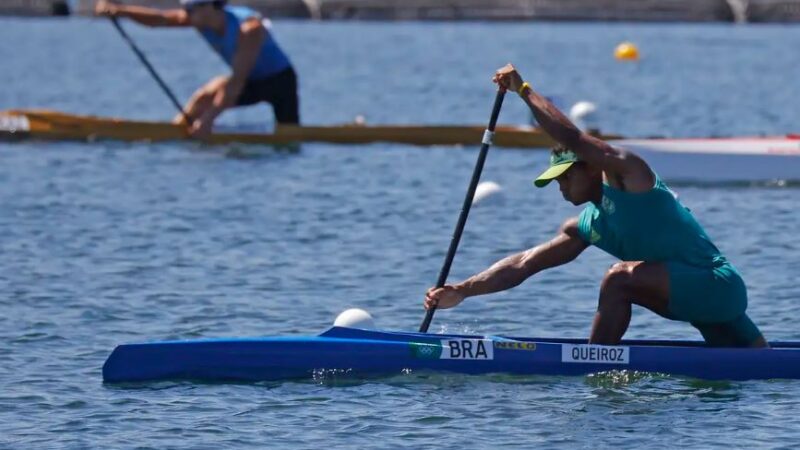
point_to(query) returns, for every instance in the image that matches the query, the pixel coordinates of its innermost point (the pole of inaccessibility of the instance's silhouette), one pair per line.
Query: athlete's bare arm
(251, 38)
(623, 169)
(513, 270)
(146, 16)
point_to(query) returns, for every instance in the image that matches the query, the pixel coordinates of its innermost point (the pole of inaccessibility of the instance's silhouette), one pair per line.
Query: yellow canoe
(52, 125)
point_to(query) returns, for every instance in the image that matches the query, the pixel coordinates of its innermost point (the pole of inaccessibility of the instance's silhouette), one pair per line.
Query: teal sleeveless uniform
(653, 226)
(272, 79)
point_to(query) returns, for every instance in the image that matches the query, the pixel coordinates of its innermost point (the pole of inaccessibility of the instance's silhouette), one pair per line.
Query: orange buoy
(626, 51)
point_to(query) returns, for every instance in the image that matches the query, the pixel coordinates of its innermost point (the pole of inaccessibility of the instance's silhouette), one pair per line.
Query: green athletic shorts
(713, 300)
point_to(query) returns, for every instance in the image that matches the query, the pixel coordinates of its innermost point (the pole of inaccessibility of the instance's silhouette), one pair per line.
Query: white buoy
(484, 190)
(582, 110)
(582, 113)
(355, 318)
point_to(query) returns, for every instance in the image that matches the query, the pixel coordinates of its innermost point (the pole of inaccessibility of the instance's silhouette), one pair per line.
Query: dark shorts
(713, 300)
(279, 90)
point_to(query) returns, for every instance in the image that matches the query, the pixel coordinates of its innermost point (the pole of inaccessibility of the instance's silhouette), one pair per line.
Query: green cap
(560, 161)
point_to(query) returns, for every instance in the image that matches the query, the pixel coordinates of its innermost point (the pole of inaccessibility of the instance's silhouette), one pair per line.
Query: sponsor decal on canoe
(426, 350)
(515, 345)
(471, 349)
(467, 349)
(594, 354)
(14, 123)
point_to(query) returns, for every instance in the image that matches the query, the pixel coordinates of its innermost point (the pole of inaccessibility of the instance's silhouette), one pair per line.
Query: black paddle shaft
(462, 218)
(151, 69)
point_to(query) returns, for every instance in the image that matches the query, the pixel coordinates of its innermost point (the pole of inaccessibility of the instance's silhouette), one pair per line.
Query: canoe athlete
(668, 263)
(261, 71)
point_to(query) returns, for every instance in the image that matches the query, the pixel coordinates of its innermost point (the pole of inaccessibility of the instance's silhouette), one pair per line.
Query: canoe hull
(52, 125)
(720, 160)
(750, 159)
(362, 353)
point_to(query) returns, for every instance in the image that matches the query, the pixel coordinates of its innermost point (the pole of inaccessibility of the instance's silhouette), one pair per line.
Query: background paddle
(462, 218)
(152, 70)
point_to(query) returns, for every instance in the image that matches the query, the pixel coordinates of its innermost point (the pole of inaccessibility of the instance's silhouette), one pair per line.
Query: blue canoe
(368, 353)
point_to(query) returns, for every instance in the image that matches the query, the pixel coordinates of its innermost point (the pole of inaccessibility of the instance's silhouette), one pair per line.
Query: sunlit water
(108, 243)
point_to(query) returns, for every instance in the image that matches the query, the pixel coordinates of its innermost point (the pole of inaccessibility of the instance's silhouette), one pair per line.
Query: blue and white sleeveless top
(271, 58)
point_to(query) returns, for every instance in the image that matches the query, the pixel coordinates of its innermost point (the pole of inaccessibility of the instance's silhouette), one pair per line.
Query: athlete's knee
(619, 277)
(212, 87)
(615, 288)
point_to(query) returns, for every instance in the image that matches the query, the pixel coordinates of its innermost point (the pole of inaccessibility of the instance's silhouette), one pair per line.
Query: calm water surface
(107, 243)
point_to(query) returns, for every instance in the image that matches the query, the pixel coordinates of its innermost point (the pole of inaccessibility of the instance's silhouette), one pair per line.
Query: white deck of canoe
(721, 159)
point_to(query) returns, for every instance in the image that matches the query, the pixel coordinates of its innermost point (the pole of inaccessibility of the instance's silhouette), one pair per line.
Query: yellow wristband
(522, 88)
